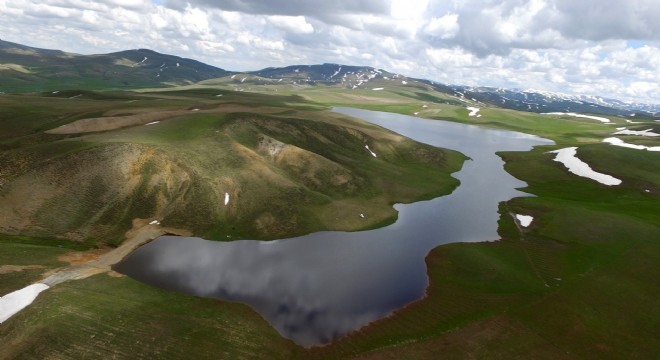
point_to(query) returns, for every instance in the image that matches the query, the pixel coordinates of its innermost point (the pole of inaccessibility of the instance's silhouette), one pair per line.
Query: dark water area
(317, 287)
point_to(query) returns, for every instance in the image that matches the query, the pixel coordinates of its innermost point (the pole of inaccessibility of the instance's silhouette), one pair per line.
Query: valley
(238, 156)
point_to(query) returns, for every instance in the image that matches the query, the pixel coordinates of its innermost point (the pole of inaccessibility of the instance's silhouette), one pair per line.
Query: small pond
(317, 287)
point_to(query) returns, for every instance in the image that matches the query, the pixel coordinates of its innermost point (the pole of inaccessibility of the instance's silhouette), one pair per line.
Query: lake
(317, 287)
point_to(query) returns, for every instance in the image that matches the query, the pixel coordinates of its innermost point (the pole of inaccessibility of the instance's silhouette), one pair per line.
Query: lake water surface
(317, 287)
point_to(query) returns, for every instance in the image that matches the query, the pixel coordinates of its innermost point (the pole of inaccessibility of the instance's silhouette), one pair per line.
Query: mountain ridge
(28, 69)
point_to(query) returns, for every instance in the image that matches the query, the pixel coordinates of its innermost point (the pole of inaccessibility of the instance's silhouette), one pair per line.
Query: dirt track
(135, 238)
(114, 122)
(143, 117)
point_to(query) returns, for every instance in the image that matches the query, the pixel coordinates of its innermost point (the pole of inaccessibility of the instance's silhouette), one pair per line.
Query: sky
(590, 47)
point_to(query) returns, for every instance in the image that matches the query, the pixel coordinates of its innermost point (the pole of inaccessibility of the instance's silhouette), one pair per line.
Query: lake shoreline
(306, 286)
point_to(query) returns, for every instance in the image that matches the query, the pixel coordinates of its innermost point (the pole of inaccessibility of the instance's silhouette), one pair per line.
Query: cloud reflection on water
(317, 287)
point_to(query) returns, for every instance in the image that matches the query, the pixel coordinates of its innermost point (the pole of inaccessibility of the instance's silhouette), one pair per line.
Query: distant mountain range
(538, 101)
(28, 69)
(544, 101)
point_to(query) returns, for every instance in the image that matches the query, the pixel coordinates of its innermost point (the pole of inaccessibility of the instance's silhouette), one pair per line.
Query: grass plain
(581, 282)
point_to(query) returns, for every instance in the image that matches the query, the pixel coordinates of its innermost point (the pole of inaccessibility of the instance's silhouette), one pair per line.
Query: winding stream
(318, 287)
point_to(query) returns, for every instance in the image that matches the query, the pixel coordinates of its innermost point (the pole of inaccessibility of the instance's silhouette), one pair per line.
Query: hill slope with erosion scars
(218, 174)
(86, 192)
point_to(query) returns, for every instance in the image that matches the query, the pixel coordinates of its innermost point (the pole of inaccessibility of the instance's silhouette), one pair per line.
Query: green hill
(97, 167)
(28, 69)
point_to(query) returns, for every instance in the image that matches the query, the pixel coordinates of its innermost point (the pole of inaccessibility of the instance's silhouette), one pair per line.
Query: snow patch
(16, 301)
(154, 222)
(647, 132)
(335, 74)
(601, 119)
(226, 198)
(177, 64)
(578, 167)
(618, 142)
(152, 123)
(404, 82)
(377, 89)
(525, 220)
(474, 111)
(372, 153)
(219, 95)
(138, 63)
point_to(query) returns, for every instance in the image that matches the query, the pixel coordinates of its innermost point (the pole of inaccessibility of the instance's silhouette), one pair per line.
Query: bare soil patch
(144, 116)
(114, 122)
(88, 263)
(373, 99)
(81, 257)
(6, 269)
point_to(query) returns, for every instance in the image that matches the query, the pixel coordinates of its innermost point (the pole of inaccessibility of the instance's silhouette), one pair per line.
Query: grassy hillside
(580, 282)
(28, 69)
(417, 98)
(286, 171)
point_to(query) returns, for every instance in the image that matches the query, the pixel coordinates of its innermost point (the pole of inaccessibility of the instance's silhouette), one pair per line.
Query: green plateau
(78, 166)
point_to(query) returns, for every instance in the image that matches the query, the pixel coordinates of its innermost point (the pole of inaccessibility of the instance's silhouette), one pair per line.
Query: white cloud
(131, 4)
(125, 17)
(444, 27)
(587, 47)
(291, 24)
(95, 40)
(195, 23)
(408, 9)
(450, 58)
(212, 46)
(90, 17)
(47, 11)
(556, 76)
(247, 39)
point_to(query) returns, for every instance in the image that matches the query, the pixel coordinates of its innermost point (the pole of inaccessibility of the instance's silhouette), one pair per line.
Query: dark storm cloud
(602, 20)
(326, 10)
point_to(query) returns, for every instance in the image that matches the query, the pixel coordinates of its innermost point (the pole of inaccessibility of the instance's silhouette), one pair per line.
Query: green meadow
(580, 282)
